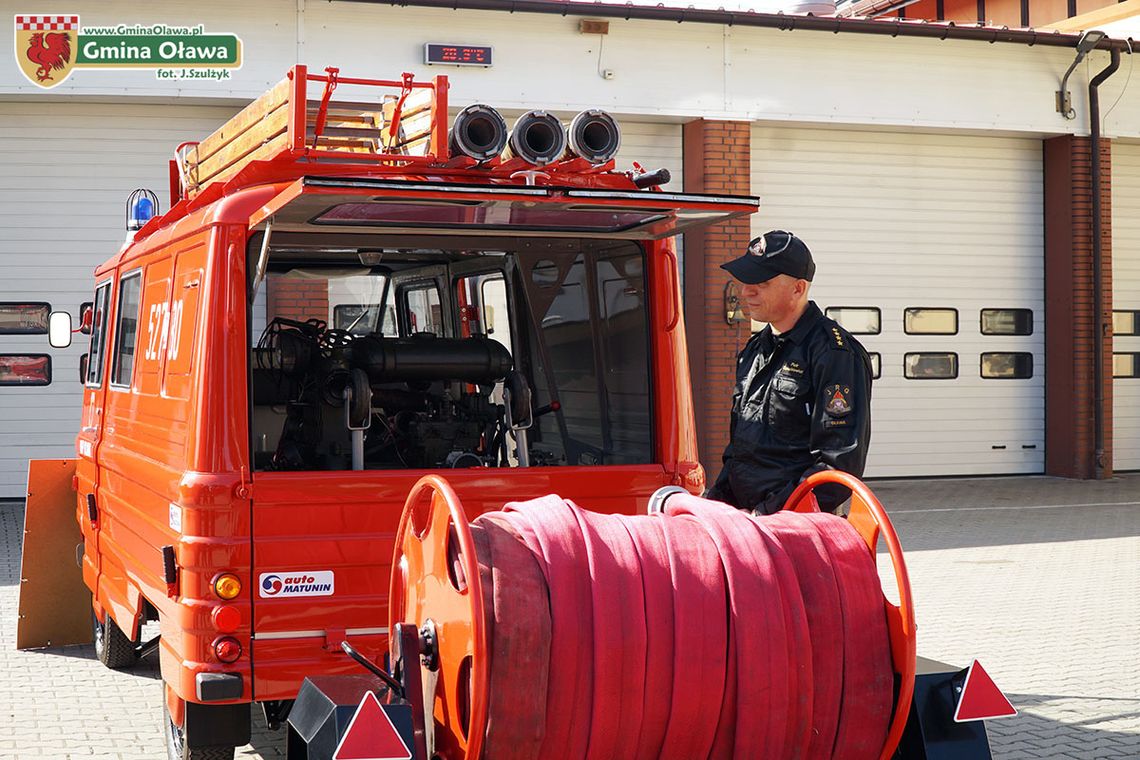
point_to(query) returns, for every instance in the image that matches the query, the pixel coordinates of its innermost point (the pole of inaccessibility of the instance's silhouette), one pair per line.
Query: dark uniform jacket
(802, 404)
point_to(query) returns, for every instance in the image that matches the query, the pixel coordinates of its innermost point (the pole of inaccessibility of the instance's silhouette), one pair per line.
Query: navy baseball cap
(773, 253)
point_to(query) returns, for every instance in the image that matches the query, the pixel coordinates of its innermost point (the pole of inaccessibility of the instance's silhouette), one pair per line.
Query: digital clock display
(457, 55)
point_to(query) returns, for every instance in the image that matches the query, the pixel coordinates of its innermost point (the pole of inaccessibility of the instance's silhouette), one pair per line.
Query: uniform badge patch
(838, 400)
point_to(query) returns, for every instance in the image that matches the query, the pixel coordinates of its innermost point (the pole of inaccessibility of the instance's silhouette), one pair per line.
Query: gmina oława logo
(49, 48)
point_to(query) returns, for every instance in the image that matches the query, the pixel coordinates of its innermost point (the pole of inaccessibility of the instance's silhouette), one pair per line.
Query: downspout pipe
(1101, 326)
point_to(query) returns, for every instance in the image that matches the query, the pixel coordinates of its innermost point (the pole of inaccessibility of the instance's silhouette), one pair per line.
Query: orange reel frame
(435, 577)
(870, 520)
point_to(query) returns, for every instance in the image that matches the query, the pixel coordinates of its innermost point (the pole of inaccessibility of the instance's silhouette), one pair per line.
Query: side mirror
(83, 361)
(59, 329)
(86, 316)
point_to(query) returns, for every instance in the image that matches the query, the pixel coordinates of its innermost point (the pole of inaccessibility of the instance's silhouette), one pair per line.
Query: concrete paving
(1036, 577)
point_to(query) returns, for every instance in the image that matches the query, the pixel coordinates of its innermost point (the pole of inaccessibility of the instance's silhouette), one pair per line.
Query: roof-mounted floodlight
(142, 206)
(1088, 41)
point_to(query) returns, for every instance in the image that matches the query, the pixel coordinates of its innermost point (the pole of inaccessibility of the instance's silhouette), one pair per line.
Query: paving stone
(1033, 576)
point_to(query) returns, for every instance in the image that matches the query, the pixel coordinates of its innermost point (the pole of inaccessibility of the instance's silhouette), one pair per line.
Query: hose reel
(701, 632)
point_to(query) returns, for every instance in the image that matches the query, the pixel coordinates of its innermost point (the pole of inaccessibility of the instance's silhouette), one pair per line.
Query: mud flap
(55, 605)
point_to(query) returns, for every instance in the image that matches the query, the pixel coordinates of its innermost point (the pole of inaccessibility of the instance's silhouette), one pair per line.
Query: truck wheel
(176, 748)
(112, 646)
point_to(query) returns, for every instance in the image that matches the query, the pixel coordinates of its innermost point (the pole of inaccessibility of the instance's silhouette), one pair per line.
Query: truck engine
(426, 401)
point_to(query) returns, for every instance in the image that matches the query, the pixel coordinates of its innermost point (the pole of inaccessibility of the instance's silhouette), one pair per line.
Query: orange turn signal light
(227, 586)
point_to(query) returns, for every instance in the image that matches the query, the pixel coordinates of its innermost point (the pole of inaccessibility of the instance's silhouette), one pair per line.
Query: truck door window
(482, 304)
(423, 313)
(592, 351)
(356, 303)
(494, 315)
(98, 335)
(126, 329)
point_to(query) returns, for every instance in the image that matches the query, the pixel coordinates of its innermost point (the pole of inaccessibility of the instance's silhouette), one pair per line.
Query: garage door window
(857, 320)
(924, 321)
(1010, 365)
(929, 365)
(876, 365)
(24, 318)
(1007, 322)
(25, 369)
(1126, 364)
(1126, 322)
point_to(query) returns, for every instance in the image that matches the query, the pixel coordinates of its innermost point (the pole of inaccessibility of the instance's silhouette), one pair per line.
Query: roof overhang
(648, 10)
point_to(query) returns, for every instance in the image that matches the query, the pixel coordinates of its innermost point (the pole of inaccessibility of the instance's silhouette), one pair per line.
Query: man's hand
(774, 502)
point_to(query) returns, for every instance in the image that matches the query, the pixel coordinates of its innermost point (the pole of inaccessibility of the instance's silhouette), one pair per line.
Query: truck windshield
(407, 354)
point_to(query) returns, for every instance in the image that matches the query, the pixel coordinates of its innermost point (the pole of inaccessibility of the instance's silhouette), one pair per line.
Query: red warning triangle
(981, 698)
(371, 735)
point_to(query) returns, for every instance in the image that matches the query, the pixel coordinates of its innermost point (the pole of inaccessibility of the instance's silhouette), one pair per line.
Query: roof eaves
(783, 21)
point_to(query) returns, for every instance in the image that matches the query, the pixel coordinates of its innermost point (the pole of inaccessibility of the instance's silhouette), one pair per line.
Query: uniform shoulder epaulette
(838, 342)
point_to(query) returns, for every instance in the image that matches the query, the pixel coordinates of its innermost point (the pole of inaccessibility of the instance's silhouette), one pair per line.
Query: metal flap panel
(374, 206)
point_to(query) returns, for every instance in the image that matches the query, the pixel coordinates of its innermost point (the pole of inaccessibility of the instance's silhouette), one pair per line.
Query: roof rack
(406, 125)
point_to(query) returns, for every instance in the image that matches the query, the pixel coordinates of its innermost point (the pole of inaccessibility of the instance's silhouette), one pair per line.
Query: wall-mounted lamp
(1088, 41)
(733, 312)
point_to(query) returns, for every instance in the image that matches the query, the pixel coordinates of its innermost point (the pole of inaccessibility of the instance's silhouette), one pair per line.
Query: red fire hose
(702, 632)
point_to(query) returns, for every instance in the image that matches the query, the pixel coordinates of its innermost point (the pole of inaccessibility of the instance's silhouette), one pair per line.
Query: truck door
(91, 429)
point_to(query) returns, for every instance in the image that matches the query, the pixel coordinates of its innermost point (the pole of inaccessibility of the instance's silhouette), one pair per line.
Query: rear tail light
(227, 586)
(227, 649)
(226, 619)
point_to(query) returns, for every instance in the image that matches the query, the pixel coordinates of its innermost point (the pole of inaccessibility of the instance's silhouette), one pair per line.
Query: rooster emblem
(46, 48)
(49, 51)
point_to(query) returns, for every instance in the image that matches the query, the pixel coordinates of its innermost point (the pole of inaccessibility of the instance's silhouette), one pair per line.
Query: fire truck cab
(433, 300)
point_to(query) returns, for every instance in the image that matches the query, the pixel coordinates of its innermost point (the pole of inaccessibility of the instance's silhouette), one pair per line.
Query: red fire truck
(350, 291)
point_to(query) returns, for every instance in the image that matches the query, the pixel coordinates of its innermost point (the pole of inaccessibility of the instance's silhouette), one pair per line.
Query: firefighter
(803, 386)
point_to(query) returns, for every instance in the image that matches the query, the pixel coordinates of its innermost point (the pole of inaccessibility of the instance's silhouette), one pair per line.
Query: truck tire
(113, 648)
(176, 748)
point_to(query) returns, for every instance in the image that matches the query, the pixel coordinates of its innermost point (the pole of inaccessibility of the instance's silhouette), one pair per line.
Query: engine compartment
(429, 397)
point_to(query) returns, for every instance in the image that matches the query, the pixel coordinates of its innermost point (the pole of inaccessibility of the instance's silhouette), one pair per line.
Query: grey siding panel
(1126, 296)
(62, 200)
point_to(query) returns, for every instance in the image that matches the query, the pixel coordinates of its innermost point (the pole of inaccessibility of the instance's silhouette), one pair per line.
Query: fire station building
(949, 193)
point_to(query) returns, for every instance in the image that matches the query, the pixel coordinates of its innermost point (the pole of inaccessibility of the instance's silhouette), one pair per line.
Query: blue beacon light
(142, 206)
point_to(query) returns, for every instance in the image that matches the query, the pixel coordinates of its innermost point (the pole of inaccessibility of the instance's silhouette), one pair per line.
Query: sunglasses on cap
(771, 243)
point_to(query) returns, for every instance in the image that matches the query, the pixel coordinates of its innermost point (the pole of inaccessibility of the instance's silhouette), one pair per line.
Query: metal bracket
(529, 175)
(1065, 104)
(429, 646)
(323, 111)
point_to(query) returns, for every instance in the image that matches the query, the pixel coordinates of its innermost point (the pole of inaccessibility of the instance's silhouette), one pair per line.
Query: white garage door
(950, 226)
(65, 172)
(654, 146)
(1126, 305)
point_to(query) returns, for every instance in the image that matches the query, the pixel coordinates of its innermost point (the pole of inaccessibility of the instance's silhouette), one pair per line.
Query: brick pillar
(296, 299)
(717, 159)
(1071, 327)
